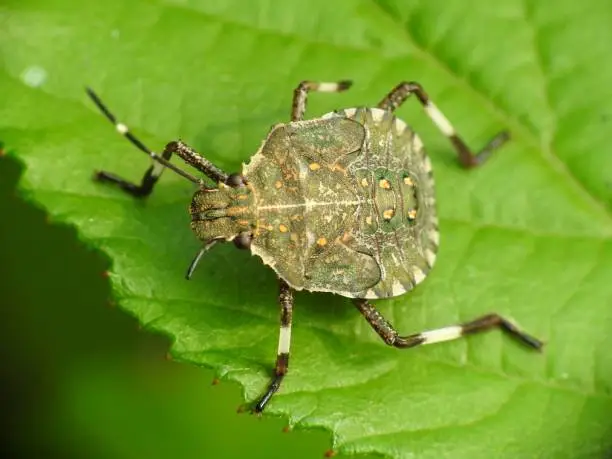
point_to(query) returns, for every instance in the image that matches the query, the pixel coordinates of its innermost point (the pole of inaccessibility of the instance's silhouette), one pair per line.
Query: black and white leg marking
(390, 336)
(159, 162)
(285, 299)
(152, 174)
(300, 94)
(467, 158)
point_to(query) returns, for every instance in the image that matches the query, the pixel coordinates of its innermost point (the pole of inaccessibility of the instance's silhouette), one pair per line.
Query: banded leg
(300, 94)
(150, 176)
(467, 158)
(389, 335)
(159, 162)
(285, 298)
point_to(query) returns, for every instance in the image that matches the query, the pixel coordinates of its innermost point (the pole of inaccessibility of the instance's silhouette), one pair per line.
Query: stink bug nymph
(343, 203)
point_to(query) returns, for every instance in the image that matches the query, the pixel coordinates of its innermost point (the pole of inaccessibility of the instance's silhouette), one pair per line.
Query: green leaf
(528, 236)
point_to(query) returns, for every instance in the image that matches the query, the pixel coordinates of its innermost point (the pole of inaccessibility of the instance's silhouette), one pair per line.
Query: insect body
(343, 203)
(340, 204)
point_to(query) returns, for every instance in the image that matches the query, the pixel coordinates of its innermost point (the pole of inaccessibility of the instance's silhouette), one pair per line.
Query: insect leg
(467, 158)
(285, 298)
(152, 174)
(390, 336)
(300, 94)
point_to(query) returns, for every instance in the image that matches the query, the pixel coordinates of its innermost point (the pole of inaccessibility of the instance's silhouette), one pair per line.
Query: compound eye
(243, 240)
(235, 180)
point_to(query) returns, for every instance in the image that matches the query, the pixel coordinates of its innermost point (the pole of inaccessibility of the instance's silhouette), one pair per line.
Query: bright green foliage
(529, 235)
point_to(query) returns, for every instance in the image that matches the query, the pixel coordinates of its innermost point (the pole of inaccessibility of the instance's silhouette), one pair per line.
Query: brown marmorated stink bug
(343, 203)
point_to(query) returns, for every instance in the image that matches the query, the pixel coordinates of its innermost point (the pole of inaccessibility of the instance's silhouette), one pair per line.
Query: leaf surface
(528, 236)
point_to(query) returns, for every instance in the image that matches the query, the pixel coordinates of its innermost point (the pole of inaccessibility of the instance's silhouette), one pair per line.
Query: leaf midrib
(528, 135)
(531, 138)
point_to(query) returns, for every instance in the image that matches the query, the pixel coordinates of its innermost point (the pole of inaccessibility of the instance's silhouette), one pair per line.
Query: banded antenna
(123, 130)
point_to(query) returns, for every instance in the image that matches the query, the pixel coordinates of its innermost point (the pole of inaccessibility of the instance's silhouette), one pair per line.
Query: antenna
(198, 257)
(123, 130)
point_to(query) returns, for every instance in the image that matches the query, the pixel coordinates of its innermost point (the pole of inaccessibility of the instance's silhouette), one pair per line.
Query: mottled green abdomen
(345, 204)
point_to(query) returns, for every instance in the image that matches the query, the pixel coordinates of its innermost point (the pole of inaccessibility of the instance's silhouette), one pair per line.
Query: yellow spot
(283, 228)
(278, 184)
(369, 220)
(412, 213)
(243, 222)
(384, 183)
(408, 181)
(314, 166)
(388, 214)
(364, 182)
(321, 241)
(242, 197)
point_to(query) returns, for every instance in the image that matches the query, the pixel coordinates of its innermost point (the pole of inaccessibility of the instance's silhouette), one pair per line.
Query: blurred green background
(80, 379)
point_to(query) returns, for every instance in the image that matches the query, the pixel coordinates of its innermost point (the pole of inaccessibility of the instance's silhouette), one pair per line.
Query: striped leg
(484, 323)
(467, 158)
(300, 94)
(159, 162)
(285, 298)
